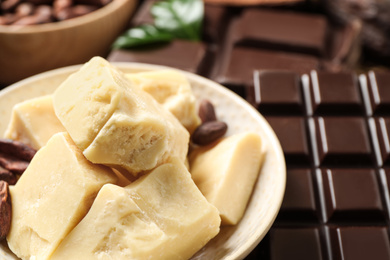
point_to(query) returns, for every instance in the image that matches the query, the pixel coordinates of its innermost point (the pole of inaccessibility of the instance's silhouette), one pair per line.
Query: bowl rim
(96, 15)
(278, 196)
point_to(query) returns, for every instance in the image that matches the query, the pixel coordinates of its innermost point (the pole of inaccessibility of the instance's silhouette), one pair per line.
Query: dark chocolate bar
(338, 157)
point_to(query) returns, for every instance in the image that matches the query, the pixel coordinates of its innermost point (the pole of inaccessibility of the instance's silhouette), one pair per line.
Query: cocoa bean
(5, 210)
(7, 176)
(75, 11)
(7, 19)
(59, 5)
(24, 9)
(79, 10)
(9, 5)
(13, 164)
(206, 111)
(209, 132)
(42, 14)
(16, 149)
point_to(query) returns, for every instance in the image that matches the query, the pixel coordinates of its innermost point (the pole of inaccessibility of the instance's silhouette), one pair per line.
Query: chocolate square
(282, 30)
(382, 128)
(360, 243)
(379, 91)
(296, 243)
(343, 141)
(352, 195)
(335, 93)
(293, 136)
(277, 92)
(299, 203)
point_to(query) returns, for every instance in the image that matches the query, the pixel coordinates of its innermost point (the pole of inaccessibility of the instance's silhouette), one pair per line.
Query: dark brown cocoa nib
(209, 132)
(5, 210)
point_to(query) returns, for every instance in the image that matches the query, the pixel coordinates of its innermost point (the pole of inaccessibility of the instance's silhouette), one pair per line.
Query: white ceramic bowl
(233, 242)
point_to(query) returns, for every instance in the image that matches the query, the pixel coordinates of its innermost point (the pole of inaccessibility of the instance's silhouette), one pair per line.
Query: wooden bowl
(233, 242)
(29, 50)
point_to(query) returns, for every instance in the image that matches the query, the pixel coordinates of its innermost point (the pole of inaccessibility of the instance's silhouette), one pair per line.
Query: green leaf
(183, 18)
(180, 19)
(140, 36)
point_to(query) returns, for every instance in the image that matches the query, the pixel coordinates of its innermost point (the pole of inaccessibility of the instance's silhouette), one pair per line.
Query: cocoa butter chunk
(5, 210)
(161, 215)
(7, 176)
(226, 173)
(16, 149)
(114, 122)
(209, 132)
(173, 91)
(52, 196)
(27, 120)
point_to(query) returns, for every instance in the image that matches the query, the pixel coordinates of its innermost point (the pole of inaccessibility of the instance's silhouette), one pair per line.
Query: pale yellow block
(34, 122)
(173, 90)
(52, 196)
(114, 228)
(116, 123)
(162, 215)
(226, 173)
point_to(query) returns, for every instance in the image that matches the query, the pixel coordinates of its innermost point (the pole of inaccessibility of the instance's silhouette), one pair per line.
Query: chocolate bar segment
(282, 30)
(277, 92)
(214, 25)
(179, 54)
(382, 128)
(352, 195)
(379, 91)
(360, 243)
(299, 203)
(241, 63)
(335, 93)
(293, 136)
(343, 141)
(296, 243)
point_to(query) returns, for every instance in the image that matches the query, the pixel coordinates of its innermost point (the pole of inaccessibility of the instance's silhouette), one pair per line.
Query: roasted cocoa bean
(16, 149)
(7, 19)
(75, 11)
(206, 111)
(24, 9)
(5, 210)
(209, 132)
(13, 164)
(7, 176)
(59, 5)
(9, 5)
(79, 10)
